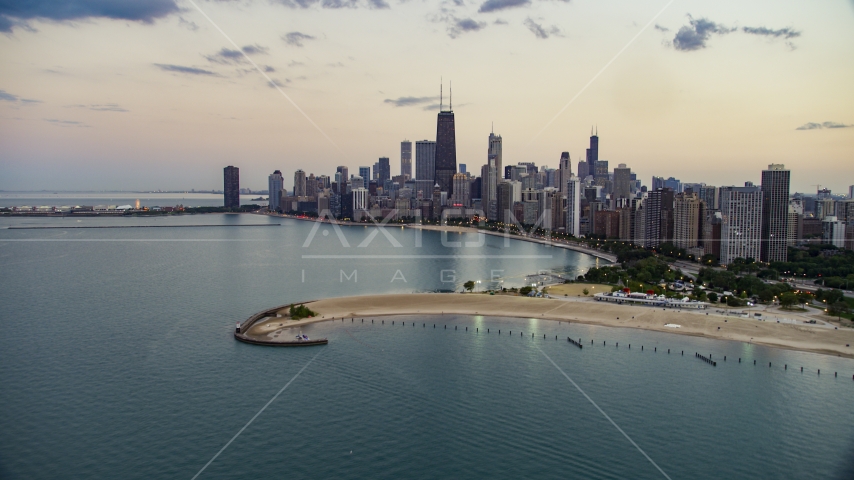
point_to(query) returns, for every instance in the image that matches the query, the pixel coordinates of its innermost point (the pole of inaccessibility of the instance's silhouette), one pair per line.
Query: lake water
(118, 362)
(146, 199)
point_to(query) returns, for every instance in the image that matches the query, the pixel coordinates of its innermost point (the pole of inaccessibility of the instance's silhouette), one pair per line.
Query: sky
(162, 94)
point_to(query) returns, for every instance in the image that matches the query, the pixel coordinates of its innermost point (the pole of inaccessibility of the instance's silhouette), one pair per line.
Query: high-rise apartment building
(687, 220)
(365, 173)
(622, 182)
(657, 183)
(851, 192)
(775, 213)
(425, 166)
(342, 176)
(489, 188)
(299, 183)
(833, 231)
(311, 186)
(573, 206)
(446, 150)
(462, 190)
(231, 187)
(406, 158)
(741, 223)
(658, 208)
(275, 186)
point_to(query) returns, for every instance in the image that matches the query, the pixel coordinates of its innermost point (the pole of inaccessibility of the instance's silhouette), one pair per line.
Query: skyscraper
(658, 208)
(231, 187)
(299, 183)
(583, 170)
(446, 149)
(622, 181)
(384, 171)
(775, 213)
(687, 219)
(462, 190)
(593, 152)
(311, 186)
(275, 185)
(741, 223)
(564, 171)
(711, 196)
(406, 158)
(425, 166)
(365, 173)
(573, 206)
(495, 147)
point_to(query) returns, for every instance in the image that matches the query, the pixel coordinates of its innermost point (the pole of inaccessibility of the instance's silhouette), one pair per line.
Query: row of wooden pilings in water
(617, 344)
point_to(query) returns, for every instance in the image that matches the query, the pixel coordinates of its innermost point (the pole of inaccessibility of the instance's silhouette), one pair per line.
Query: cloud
(255, 50)
(787, 32)
(277, 83)
(189, 25)
(460, 26)
(183, 69)
(65, 123)
(268, 69)
(296, 38)
(104, 107)
(335, 4)
(14, 14)
(499, 21)
(8, 97)
(817, 126)
(228, 56)
(409, 101)
(661, 29)
(694, 36)
(536, 28)
(495, 5)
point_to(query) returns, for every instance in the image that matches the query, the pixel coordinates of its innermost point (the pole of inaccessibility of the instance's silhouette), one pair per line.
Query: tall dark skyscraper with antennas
(446, 147)
(593, 151)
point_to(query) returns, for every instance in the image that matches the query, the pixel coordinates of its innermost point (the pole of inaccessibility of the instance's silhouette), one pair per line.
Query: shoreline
(454, 229)
(806, 338)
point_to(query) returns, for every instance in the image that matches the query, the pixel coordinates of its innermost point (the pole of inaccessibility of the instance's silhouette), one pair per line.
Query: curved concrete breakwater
(265, 327)
(272, 338)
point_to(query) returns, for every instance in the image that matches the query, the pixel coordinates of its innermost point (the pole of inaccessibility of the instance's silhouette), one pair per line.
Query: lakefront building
(275, 185)
(231, 187)
(775, 213)
(741, 223)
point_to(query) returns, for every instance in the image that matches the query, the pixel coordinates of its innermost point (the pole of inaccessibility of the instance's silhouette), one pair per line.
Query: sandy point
(809, 338)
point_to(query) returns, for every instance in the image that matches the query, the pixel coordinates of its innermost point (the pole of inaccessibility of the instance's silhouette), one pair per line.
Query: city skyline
(712, 97)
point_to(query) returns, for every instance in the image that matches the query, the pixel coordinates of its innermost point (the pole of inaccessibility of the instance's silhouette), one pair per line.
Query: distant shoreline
(454, 229)
(806, 338)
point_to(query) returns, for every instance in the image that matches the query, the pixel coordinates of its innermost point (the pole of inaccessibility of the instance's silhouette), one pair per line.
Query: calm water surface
(118, 362)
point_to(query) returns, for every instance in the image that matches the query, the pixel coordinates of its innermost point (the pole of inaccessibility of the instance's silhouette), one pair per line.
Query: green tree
(713, 297)
(585, 291)
(788, 299)
(525, 290)
(469, 285)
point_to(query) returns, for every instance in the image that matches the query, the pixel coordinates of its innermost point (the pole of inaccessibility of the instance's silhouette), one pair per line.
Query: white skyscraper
(573, 206)
(741, 223)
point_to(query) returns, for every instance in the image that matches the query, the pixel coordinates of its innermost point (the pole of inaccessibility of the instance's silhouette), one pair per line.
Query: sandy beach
(811, 338)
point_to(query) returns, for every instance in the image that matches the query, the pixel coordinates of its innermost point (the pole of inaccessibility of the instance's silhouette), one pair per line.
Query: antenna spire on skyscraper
(440, 94)
(451, 99)
(597, 130)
